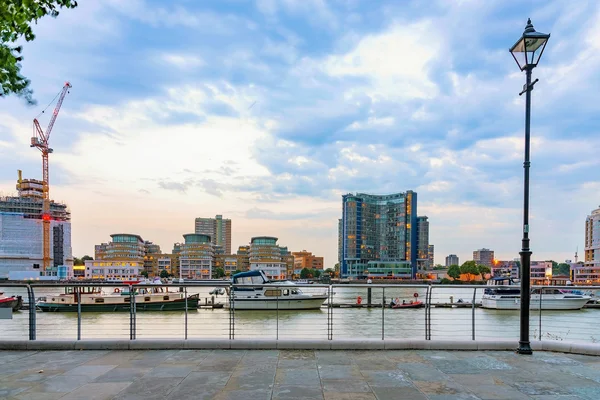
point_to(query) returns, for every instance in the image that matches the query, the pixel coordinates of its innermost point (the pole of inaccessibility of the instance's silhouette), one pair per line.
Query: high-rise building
(452, 259)
(431, 255)
(21, 234)
(484, 257)
(592, 239)
(196, 257)
(266, 255)
(379, 235)
(423, 243)
(218, 229)
(151, 253)
(306, 259)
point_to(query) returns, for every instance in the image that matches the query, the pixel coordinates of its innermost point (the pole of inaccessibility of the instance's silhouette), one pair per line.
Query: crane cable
(49, 104)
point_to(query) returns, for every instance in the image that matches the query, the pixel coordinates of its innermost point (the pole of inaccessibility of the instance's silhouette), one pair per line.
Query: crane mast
(40, 141)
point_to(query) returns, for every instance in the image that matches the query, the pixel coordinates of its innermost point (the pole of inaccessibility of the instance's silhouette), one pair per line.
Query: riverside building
(196, 257)
(379, 235)
(21, 235)
(266, 255)
(219, 230)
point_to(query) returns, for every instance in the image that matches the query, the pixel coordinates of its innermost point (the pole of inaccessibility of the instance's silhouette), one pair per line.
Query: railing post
(32, 315)
(383, 315)
(186, 312)
(330, 312)
(231, 312)
(78, 291)
(429, 313)
(473, 315)
(540, 322)
(132, 321)
(277, 313)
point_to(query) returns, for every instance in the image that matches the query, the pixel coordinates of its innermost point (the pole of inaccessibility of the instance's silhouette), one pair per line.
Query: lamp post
(527, 53)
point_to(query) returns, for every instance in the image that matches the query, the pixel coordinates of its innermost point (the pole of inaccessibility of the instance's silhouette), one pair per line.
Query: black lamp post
(527, 53)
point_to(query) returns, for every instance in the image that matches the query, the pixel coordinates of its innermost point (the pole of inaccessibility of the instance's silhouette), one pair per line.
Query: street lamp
(527, 53)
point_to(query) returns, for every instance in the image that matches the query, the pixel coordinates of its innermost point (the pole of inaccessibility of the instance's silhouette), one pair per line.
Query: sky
(268, 111)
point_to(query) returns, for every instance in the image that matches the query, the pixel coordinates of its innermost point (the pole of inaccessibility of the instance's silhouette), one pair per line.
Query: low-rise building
(306, 259)
(196, 257)
(113, 269)
(266, 255)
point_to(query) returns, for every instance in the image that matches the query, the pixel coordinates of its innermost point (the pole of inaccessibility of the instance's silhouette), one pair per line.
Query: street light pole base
(524, 348)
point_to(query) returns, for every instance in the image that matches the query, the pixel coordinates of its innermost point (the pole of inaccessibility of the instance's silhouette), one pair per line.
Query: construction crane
(40, 141)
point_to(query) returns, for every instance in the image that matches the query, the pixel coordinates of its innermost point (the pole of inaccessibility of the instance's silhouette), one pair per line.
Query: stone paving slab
(297, 375)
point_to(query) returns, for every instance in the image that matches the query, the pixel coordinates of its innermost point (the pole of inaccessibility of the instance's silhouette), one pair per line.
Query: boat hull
(514, 303)
(12, 302)
(174, 305)
(309, 303)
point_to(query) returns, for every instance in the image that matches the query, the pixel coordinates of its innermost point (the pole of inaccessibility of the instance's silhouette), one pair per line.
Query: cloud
(269, 111)
(176, 186)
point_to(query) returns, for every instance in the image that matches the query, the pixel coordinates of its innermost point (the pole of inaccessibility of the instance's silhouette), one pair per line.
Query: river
(357, 323)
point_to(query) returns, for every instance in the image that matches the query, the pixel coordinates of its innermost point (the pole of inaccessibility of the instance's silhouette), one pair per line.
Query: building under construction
(21, 232)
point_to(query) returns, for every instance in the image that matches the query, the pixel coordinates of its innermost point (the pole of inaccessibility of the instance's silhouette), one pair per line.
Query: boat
(407, 304)
(504, 293)
(14, 302)
(270, 295)
(156, 298)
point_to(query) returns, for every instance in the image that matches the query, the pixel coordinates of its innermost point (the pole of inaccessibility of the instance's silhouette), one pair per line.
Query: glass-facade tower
(379, 234)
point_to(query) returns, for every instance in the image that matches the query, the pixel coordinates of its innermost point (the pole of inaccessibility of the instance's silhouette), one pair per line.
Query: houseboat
(155, 298)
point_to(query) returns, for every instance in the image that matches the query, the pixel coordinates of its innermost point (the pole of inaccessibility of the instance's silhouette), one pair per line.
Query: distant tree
(562, 269)
(438, 267)
(144, 273)
(305, 273)
(86, 258)
(469, 268)
(16, 18)
(446, 281)
(330, 271)
(218, 273)
(77, 261)
(164, 274)
(483, 269)
(316, 273)
(454, 272)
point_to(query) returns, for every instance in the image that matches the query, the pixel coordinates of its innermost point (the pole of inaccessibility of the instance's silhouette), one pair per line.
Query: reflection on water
(446, 323)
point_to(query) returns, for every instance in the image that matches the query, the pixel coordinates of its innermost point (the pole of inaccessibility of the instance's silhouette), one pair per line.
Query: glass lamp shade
(529, 48)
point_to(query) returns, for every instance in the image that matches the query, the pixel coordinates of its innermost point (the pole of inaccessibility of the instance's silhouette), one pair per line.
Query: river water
(357, 323)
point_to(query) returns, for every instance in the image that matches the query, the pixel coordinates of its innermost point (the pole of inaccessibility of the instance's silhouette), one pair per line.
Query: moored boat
(504, 293)
(94, 300)
(14, 302)
(271, 295)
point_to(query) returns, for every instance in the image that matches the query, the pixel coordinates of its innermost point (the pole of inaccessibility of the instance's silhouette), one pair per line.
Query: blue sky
(268, 111)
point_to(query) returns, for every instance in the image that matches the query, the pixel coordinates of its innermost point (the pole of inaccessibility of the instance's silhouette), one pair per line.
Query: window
(272, 293)
(146, 298)
(165, 297)
(100, 300)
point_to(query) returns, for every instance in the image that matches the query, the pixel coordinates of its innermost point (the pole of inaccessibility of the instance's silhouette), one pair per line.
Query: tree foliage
(454, 271)
(483, 270)
(16, 18)
(144, 273)
(305, 273)
(218, 273)
(469, 268)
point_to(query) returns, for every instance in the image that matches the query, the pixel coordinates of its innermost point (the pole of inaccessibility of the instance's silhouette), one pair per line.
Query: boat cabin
(250, 278)
(497, 285)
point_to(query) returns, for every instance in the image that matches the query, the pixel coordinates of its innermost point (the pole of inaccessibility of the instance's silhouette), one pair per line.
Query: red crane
(40, 141)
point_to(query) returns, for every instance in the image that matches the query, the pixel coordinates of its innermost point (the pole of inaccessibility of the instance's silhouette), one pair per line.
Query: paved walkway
(301, 374)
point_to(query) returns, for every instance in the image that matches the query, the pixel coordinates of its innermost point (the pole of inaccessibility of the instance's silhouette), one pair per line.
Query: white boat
(500, 296)
(270, 295)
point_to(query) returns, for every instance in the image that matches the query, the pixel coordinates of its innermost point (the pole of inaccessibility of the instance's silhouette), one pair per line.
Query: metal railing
(349, 312)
